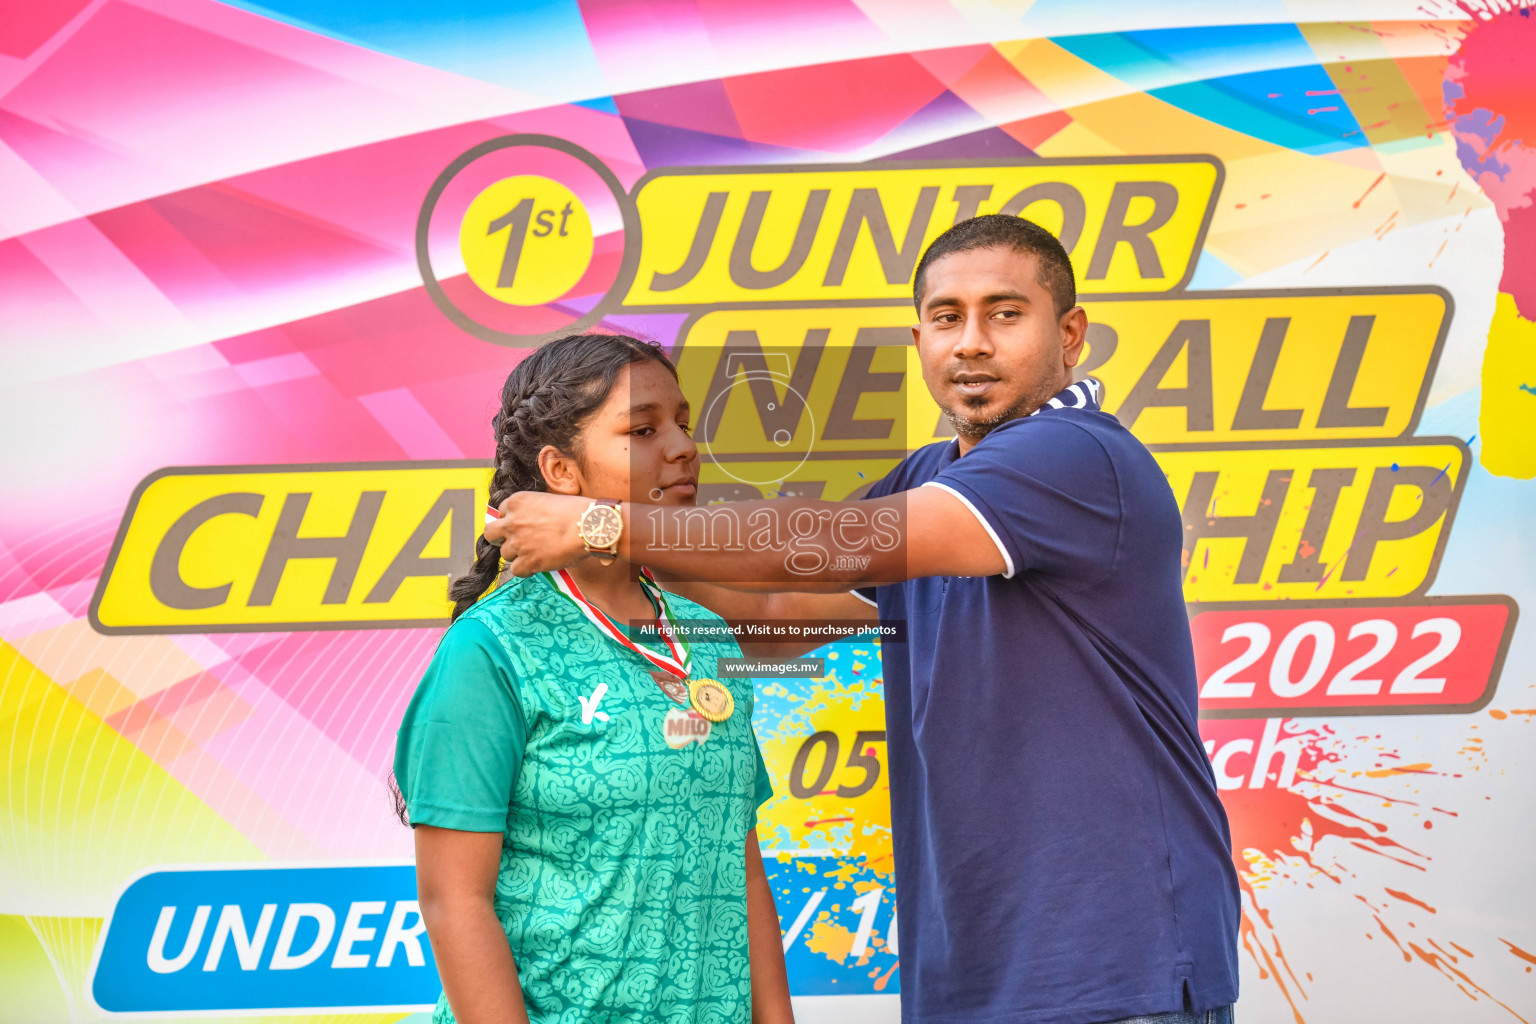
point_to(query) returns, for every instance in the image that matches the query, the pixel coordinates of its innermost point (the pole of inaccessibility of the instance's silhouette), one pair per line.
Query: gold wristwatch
(599, 528)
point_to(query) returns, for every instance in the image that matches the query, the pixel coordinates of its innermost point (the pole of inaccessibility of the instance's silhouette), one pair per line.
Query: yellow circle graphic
(526, 240)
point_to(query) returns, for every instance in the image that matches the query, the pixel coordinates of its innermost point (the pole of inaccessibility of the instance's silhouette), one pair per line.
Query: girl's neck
(613, 588)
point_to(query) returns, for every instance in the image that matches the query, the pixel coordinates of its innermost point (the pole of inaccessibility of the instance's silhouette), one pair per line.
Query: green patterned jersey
(624, 814)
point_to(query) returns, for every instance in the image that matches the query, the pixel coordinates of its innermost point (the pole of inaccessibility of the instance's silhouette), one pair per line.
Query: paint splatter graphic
(1329, 796)
(1491, 110)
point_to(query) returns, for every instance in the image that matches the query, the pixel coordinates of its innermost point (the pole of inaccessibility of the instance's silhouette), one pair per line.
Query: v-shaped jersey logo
(589, 705)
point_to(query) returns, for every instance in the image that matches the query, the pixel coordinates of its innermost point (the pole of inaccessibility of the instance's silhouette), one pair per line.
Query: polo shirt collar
(1085, 394)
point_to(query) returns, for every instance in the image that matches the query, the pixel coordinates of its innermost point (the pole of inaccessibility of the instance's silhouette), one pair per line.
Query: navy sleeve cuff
(984, 515)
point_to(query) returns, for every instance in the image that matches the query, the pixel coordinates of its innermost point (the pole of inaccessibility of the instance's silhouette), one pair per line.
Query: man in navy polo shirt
(1061, 853)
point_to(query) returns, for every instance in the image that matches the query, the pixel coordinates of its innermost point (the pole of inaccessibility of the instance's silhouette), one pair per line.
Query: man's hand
(537, 531)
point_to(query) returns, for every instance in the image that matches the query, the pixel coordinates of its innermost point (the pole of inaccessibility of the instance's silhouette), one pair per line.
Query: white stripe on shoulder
(861, 597)
(1007, 559)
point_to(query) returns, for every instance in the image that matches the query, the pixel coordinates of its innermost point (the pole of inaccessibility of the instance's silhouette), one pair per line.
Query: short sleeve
(1046, 491)
(461, 742)
(762, 788)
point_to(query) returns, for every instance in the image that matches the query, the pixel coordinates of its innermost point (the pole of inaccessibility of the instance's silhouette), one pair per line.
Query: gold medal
(711, 700)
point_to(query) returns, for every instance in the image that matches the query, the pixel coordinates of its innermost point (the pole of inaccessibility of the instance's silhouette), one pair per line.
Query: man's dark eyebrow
(945, 300)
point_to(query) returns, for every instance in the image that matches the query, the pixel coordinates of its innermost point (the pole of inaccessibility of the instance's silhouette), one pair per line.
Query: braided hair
(546, 400)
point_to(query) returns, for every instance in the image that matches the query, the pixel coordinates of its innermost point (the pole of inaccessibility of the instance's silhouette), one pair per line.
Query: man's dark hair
(1003, 231)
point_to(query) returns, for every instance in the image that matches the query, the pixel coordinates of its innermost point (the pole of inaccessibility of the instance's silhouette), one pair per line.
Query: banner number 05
(859, 757)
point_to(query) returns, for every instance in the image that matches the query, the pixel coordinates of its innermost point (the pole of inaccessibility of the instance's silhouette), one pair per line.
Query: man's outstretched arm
(783, 543)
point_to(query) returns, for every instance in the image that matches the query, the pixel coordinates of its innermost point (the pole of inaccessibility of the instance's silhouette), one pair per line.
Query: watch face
(600, 526)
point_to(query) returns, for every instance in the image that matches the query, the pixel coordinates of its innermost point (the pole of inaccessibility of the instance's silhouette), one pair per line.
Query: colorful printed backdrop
(264, 266)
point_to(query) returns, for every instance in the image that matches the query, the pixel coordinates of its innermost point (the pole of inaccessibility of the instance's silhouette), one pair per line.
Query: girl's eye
(643, 431)
(686, 429)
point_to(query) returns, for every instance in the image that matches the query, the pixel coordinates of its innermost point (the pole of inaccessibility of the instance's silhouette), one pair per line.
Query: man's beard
(974, 428)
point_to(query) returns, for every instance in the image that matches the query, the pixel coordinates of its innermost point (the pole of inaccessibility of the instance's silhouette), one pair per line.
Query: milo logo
(683, 726)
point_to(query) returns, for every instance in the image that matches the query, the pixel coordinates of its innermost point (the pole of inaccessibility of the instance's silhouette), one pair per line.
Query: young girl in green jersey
(583, 788)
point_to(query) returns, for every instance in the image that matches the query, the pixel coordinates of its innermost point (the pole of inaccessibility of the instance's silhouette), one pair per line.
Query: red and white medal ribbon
(675, 661)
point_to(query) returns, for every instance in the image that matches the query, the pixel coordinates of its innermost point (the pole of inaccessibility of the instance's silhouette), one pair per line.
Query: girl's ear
(561, 473)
